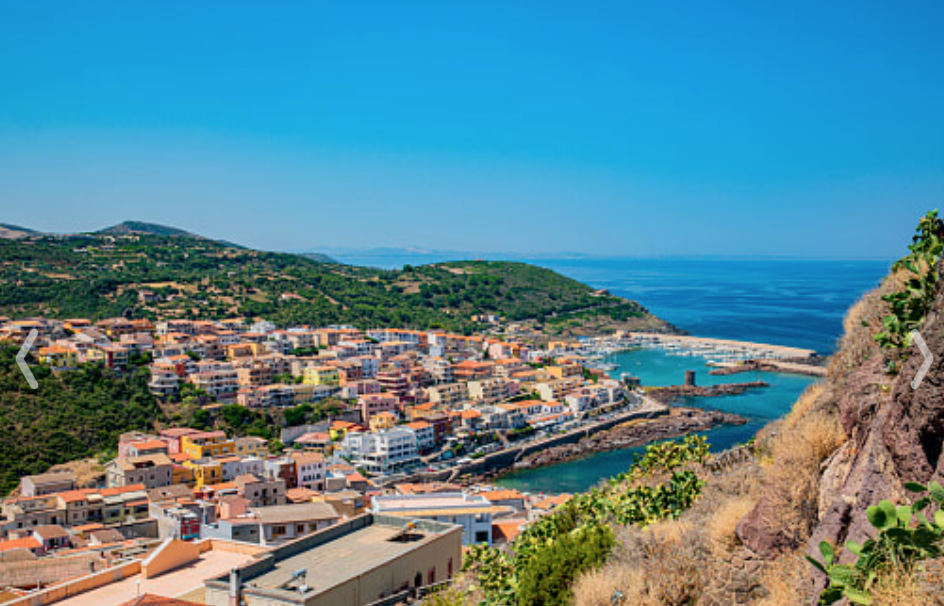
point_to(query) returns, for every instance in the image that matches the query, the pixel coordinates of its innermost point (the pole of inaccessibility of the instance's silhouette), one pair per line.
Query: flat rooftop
(441, 500)
(346, 557)
(175, 583)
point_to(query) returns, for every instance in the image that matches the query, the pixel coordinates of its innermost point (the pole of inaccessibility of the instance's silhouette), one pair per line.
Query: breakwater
(676, 392)
(800, 367)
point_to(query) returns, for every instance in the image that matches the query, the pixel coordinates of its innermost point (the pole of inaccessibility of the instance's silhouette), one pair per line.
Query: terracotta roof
(179, 431)
(50, 531)
(110, 492)
(507, 529)
(502, 495)
(27, 543)
(552, 502)
(307, 458)
(73, 496)
(314, 437)
(148, 444)
(300, 495)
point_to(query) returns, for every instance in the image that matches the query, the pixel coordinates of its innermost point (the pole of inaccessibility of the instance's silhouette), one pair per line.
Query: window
(431, 576)
(299, 528)
(278, 530)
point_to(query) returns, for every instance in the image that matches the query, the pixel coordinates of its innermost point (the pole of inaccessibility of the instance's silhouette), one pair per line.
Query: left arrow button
(21, 359)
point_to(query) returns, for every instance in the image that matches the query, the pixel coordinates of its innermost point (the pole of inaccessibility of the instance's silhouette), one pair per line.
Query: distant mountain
(140, 227)
(320, 257)
(102, 275)
(15, 232)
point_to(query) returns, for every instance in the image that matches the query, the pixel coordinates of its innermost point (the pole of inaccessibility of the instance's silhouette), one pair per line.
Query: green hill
(142, 228)
(96, 276)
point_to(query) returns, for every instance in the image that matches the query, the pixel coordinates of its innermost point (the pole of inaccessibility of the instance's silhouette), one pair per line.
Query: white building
(382, 452)
(262, 327)
(425, 434)
(472, 512)
(310, 470)
(234, 466)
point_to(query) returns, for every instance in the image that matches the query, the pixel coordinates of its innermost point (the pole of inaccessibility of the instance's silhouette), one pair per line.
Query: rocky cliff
(852, 440)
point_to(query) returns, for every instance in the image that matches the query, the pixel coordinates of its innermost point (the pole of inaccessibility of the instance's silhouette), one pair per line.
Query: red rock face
(896, 437)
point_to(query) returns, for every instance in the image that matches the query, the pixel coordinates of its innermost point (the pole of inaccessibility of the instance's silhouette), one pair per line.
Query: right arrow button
(928, 358)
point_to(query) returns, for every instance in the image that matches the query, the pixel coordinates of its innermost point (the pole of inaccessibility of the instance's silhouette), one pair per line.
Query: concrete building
(472, 512)
(382, 452)
(283, 523)
(310, 470)
(448, 394)
(47, 483)
(350, 564)
(260, 492)
(153, 471)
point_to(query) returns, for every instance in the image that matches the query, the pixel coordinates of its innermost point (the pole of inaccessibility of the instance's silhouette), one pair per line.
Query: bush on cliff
(548, 577)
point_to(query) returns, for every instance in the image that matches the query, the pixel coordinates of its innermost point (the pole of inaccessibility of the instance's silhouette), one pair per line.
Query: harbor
(722, 353)
(667, 369)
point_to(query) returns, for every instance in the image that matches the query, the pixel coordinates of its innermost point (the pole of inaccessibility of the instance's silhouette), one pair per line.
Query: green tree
(547, 578)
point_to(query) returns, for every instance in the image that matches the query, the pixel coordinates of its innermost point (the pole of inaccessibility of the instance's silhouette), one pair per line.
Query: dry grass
(900, 588)
(664, 565)
(786, 582)
(794, 451)
(862, 322)
(722, 525)
(791, 480)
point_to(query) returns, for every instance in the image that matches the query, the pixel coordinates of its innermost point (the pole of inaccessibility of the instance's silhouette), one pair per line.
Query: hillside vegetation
(80, 414)
(100, 275)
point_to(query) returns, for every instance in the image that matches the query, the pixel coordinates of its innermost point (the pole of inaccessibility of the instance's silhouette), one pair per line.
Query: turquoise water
(657, 368)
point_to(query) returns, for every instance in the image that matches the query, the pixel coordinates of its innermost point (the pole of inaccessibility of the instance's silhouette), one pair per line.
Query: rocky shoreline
(678, 422)
(814, 368)
(670, 394)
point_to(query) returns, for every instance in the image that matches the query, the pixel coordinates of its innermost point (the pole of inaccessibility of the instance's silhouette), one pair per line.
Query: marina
(717, 352)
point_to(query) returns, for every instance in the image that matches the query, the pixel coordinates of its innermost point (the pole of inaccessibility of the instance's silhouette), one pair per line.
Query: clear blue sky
(806, 128)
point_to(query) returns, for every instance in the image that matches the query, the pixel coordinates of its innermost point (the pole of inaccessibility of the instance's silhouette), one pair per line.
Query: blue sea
(796, 303)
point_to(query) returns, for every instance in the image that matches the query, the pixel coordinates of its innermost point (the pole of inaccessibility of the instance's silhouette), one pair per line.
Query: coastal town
(419, 423)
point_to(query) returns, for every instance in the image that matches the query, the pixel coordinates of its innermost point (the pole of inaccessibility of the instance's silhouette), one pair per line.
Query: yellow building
(339, 429)
(303, 393)
(382, 420)
(565, 370)
(182, 474)
(205, 472)
(58, 356)
(207, 444)
(321, 375)
(251, 446)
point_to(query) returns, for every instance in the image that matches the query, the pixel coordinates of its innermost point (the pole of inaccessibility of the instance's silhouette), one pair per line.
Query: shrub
(546, 580)
(905, 537)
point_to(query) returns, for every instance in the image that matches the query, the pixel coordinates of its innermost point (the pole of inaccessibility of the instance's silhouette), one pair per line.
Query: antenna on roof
(302, 575)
